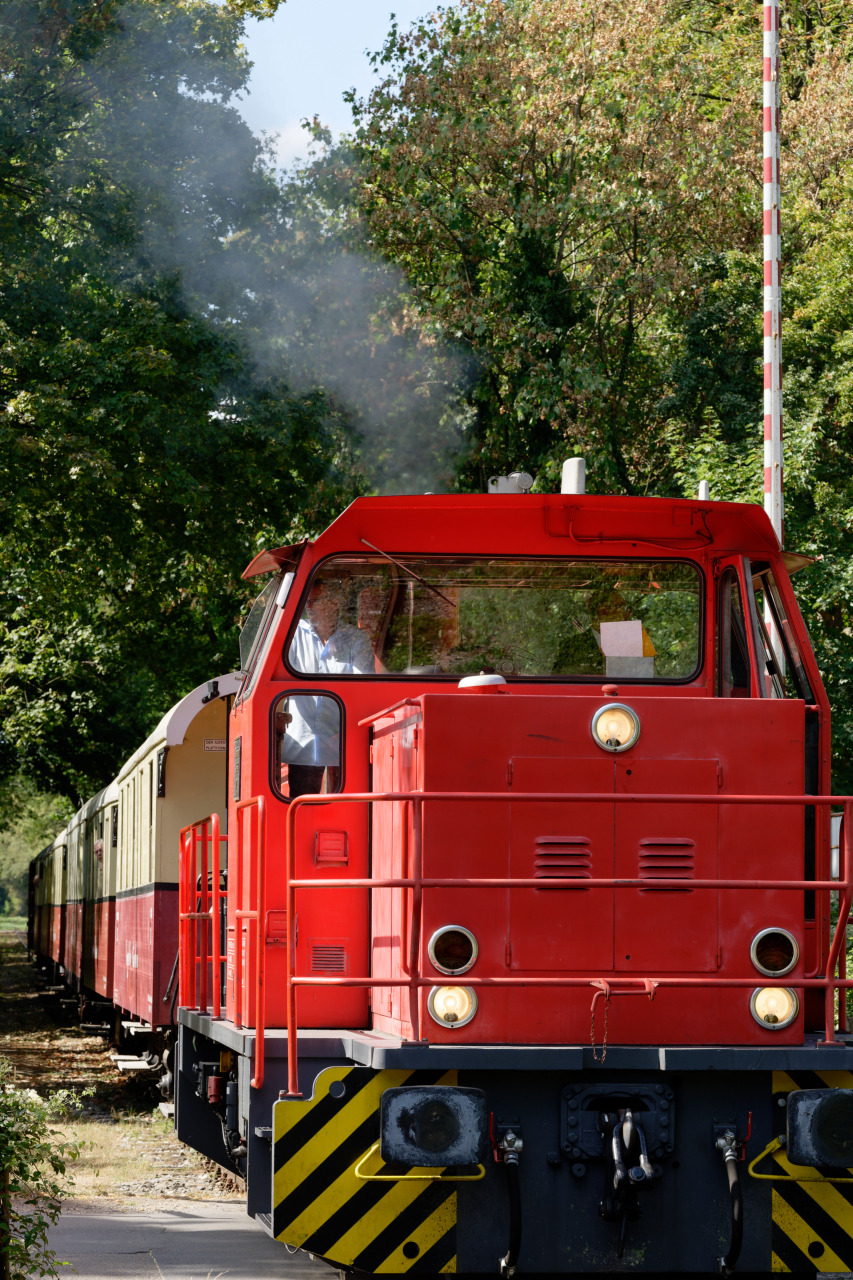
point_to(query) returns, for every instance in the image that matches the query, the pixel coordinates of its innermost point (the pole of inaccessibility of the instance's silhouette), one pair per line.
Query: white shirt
(347, 651)
(313, 735)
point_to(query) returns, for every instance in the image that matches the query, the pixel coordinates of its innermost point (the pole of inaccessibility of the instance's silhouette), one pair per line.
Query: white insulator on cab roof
(704, 491)
(574, 476)
(515, 482)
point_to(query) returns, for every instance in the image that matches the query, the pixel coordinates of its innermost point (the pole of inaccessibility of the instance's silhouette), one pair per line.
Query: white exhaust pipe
(574, 476)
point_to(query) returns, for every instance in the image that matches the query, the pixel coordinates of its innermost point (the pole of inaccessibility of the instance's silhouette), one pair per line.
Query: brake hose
(729, 1262)
(510, 1261)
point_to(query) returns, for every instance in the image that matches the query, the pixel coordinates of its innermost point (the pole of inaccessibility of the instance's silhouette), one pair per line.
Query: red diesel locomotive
(532, 946)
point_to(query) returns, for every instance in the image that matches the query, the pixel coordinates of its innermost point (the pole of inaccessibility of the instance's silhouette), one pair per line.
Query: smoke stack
(574, 476)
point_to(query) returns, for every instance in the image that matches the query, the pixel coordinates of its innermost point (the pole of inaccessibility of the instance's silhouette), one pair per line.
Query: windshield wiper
(410, 572)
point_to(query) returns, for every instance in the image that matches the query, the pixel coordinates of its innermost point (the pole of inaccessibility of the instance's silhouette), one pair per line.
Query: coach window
(734, 649)
(307, 755)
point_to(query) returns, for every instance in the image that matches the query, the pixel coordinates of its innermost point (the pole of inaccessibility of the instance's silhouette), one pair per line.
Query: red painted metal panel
(99, 950)
(571, 930)
(667, 931)
(342, 916)
(146, 943)
(73, 948)
(56, 945)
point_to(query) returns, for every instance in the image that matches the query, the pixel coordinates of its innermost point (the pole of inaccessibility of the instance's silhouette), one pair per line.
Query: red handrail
(259, 916)
(203, 836)
(417, 883)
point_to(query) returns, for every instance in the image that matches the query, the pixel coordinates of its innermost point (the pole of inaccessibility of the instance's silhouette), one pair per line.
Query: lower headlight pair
(772, 1007)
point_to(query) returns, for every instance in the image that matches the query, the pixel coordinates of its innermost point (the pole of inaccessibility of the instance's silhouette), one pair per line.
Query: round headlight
(774, 1007)
(452, 1006)
(615, 727)
(774, 952)
(453, 949)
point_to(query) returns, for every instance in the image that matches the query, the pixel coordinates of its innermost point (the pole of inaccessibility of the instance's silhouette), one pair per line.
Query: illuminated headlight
(615, 727)
(774, 952)
(774, 1007)
(452, 949)
(452, 1006)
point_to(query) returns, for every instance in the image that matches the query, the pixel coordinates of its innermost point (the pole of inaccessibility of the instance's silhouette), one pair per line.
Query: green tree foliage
(34, 1168)
(151, 440)
(545, 172)
(30, 821)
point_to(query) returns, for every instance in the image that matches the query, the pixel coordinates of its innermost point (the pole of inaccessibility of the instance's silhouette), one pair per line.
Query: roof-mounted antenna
(704, 491)
(574, 476)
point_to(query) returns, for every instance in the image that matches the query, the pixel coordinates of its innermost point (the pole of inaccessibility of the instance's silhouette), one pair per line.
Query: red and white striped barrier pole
(772, 282)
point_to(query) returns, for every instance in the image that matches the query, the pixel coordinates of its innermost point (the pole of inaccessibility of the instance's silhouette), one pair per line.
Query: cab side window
(787, 676)
(307, 745)
(733, 646)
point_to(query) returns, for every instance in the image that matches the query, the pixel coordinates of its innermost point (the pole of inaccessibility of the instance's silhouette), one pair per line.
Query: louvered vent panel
(328, 956)
(562, 858)
(666, 858)
(330, 847)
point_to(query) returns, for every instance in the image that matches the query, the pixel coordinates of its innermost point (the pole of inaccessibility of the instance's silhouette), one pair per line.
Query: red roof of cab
(537, 524)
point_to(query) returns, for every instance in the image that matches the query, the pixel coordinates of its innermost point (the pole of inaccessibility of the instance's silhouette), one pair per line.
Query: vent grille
(328, 956)
(330, 848)
(562, 858)
(666, 858)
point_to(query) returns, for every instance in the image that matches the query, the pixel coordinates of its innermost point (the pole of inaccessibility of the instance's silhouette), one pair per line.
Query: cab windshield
(443, 616)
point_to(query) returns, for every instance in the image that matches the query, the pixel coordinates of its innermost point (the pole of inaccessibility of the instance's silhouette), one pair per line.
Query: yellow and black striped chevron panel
(320, 1205)
(812, 1221)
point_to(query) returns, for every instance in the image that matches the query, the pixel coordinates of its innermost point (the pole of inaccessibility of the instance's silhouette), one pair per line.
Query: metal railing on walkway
(194, 961)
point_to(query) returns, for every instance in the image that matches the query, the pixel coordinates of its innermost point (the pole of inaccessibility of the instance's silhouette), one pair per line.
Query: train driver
(311, 741)
(323, 643)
